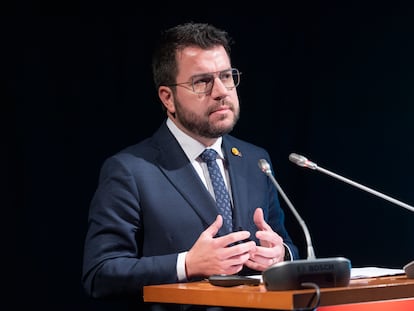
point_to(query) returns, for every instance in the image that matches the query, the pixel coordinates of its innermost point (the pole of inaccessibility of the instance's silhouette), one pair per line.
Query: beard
(201, 125)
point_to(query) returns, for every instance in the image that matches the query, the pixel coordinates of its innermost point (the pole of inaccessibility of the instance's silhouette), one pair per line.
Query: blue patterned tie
(220, 191)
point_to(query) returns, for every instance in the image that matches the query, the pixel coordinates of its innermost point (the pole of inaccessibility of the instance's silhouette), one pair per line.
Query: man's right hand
(212, 255)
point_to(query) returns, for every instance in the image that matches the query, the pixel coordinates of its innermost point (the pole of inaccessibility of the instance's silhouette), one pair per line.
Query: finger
(267, 253)
(255, 265)
(259, 221)
(240, 249)
(238, 260)
(212, 230)
(269, 236)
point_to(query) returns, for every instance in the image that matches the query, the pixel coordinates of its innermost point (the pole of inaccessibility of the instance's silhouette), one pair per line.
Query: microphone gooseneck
(265, 167)
(299, 273)
(304, 162)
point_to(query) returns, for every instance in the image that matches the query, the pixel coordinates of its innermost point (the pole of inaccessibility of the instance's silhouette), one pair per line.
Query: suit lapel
(238, 173)
(177, 168)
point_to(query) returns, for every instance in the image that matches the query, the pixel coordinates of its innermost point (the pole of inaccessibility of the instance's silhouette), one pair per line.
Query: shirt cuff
(181, 274)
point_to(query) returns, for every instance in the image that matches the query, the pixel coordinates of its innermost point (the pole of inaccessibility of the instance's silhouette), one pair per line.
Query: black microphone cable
(316, 297)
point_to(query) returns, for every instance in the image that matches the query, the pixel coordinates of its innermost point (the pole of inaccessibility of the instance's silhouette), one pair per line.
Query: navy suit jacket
(150, 205)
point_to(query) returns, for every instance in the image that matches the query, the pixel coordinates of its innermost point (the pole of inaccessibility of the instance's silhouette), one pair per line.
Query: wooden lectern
(395, 293)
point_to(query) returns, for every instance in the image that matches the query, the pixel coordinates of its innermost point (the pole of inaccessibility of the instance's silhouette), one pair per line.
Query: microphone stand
(304, 162)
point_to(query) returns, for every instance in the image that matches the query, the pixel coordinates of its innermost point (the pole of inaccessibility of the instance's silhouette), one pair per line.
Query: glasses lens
(236, 76)
(203, 84)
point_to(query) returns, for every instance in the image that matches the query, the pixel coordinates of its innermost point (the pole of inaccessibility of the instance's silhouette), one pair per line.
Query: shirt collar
(192, 148)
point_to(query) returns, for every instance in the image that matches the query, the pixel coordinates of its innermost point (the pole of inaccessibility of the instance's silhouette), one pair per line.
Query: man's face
(211, 114)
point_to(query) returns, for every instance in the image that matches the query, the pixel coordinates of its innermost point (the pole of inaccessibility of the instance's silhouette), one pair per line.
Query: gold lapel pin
(236, 152)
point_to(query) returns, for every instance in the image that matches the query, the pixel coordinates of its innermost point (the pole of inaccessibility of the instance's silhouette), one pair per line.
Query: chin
(227, 128)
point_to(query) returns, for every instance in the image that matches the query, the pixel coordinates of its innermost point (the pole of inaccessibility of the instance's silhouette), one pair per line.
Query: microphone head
(301, 161)
(265, 166)
(297, 159)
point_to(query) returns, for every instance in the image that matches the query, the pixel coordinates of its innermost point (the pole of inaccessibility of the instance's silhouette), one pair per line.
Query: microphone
(304, 162)
(288, 275)
(265, 167)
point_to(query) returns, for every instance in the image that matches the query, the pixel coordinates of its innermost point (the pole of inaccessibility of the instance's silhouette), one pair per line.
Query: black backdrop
(331, 82)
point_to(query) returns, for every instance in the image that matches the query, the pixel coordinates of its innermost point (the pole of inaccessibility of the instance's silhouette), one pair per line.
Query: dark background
(331, 81)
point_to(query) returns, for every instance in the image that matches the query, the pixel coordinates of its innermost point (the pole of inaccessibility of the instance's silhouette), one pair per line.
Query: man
(154, 218)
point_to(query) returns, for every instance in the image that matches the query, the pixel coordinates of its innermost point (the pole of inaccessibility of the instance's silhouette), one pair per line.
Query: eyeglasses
(203, 83)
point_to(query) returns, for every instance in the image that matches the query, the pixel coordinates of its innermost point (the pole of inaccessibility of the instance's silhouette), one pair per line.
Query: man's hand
(213, 255)
(271, 249)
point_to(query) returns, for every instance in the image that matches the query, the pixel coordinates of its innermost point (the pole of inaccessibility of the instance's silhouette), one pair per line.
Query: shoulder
(230, 141)
(148, 148)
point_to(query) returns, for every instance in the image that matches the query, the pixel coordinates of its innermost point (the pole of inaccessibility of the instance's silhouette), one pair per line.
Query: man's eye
(203, 80)
(226, 76)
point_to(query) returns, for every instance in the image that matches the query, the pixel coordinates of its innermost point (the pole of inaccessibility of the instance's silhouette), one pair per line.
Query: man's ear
(166, 96)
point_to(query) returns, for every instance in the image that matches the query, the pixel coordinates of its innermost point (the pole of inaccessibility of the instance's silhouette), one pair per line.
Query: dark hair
(172, 40)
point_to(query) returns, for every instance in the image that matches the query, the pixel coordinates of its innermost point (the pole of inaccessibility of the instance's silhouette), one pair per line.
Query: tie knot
(209, 155)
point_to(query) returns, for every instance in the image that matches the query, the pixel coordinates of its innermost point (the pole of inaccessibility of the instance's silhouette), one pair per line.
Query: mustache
(222, 103)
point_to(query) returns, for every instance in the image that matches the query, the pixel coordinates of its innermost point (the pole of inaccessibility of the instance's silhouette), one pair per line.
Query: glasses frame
(234, 72)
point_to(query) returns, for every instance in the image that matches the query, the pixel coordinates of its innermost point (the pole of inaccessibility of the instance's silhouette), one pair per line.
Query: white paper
(372, 272)
(362, 272)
